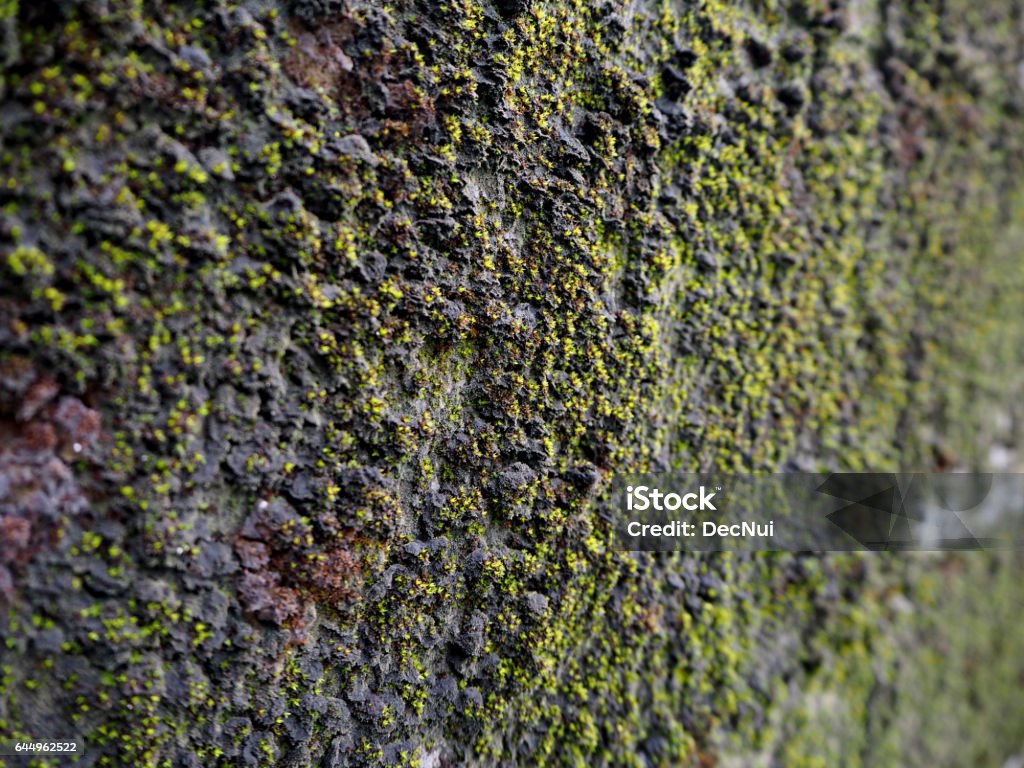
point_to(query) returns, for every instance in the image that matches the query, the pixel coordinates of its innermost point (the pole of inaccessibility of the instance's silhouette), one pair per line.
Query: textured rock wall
(324, 324)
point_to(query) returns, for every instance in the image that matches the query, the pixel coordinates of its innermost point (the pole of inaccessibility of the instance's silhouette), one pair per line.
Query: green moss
(386, 295)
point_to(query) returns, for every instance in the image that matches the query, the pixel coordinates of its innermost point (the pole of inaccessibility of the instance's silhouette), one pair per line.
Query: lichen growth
(370, 301)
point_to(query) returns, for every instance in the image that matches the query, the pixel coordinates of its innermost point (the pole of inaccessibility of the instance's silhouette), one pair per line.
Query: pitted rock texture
(323, 326)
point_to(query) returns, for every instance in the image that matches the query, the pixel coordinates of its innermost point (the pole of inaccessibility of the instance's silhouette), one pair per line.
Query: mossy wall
(324, 325)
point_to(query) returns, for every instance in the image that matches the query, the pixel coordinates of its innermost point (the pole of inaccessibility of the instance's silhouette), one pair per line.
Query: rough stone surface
(324, 324)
